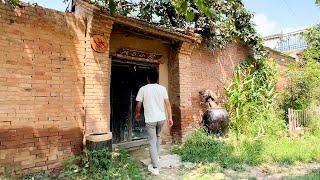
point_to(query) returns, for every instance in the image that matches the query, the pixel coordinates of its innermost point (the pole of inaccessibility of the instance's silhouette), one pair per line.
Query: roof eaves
(144, 26)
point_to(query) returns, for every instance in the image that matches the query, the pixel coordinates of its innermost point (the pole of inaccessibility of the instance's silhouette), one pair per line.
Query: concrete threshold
(131, 145)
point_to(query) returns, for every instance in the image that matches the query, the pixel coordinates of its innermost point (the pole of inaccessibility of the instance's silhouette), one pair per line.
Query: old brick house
(54, 88)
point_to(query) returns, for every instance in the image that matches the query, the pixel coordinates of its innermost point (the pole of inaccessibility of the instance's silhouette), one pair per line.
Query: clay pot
(215, 121)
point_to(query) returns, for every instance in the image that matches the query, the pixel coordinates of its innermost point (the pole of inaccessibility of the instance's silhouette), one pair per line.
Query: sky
(276, 16)
(270, 16)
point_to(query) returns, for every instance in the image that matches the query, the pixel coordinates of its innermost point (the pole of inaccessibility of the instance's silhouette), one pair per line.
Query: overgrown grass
(102, 164)
(288, 151)
(234, 152)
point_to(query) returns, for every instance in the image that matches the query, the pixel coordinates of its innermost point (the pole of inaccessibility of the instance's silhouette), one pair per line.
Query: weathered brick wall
(41, 96)
(97, 70)
(195, 69)
(282, 60)
(52, 86)
(212, 70)
(180, 64)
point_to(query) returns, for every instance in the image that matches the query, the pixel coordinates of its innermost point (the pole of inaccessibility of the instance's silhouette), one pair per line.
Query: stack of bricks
(48, 76)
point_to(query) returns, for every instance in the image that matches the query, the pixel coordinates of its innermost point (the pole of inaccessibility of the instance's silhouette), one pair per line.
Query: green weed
(235, 151)
(102, 164)
(251, 99)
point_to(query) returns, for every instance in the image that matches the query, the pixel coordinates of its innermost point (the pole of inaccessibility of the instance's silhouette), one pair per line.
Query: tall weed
(251, 99)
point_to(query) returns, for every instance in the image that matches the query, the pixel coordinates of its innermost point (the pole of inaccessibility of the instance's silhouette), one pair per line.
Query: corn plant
(251, 97)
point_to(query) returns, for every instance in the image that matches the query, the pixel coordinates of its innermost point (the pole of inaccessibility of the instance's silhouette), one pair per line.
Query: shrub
(314, 124)
(304, 77)
(303, 90)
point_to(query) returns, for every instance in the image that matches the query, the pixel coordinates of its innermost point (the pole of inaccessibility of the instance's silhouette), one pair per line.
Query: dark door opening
(126, 80)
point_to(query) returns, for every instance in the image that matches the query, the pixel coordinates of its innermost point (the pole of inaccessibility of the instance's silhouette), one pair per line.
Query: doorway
(126, 79)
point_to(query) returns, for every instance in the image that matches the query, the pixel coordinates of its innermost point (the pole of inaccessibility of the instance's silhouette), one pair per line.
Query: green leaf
(190, 16)
(112, 7)
(184, 7)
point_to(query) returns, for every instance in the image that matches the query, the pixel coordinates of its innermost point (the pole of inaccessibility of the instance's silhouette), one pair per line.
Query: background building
(291, 43)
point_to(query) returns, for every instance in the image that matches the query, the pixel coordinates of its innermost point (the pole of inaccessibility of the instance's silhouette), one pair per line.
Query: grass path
(191, 171)
(298, 171)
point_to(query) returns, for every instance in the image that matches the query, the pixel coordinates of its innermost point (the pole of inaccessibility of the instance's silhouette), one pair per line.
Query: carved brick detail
(136, 55)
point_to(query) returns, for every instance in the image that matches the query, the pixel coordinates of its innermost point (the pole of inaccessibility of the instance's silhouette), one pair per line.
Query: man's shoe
(154, 171)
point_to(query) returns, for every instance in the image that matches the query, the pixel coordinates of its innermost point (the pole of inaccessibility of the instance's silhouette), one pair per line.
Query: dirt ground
(190, 171)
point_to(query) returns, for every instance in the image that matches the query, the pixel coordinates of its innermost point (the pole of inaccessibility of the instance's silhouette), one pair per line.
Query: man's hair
(153, 75)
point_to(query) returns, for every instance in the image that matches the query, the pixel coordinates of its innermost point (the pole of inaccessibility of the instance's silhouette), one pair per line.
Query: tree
(304, 77)
(303, 90)
(312, 37)
(10, 2)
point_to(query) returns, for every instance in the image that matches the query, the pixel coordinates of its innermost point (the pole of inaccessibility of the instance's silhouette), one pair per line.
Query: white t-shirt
(152, 96)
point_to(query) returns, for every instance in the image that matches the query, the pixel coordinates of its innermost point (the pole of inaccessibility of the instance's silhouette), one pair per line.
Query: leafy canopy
(304, 90)
(312, 37)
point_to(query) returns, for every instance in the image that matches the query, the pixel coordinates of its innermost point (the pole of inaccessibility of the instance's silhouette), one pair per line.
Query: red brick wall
(212, 70)
(283, 61)
(196, 69)
(52, 86)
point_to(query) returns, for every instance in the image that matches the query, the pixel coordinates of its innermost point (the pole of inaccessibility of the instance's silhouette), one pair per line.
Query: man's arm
(138, 110)
(168, 107)
(139, 100)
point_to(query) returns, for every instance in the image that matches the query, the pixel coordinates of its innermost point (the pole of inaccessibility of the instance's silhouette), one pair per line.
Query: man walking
(155, 100)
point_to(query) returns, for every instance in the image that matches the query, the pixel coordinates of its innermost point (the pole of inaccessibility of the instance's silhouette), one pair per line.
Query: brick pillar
(180, 76)
(97, 72)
